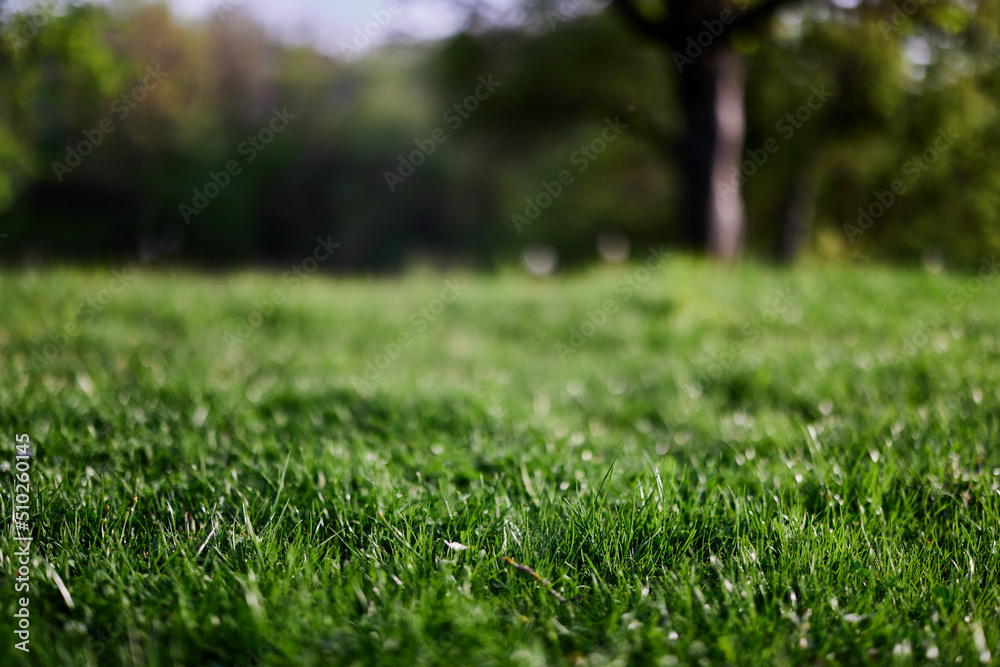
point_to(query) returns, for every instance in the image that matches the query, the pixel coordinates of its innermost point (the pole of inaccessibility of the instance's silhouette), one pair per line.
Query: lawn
(685, 465)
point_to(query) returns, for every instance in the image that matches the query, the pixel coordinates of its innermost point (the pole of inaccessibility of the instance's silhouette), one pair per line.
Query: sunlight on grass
(746, 464)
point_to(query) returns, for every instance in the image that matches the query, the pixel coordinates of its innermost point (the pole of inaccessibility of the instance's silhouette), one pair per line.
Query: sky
(330, 24)
(326, 24)
(333, 25)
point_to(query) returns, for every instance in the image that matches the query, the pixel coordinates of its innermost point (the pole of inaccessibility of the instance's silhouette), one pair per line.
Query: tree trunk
(799, 211)
(712, 90)
(712, 85)
(800, 202)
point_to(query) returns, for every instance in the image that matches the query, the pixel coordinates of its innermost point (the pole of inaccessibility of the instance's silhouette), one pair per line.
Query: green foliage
(889, 109)
(64, 71)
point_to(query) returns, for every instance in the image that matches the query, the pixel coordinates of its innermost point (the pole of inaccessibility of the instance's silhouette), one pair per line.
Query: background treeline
(64, 72)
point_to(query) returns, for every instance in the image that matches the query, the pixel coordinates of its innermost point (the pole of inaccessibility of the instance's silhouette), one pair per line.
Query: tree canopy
(161, 107)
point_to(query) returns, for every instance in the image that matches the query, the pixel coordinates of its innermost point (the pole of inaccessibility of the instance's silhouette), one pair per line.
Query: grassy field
(689, 465)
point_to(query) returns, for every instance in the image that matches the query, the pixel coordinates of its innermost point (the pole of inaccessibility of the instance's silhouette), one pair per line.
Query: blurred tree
(703, 39)
(699, 37)
(562, 80)
(900, 72)
(859, 47)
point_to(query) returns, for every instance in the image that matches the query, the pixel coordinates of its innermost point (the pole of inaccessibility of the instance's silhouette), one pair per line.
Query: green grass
(827, 494)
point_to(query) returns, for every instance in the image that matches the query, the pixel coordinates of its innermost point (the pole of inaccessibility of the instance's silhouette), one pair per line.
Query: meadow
(680, 463)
